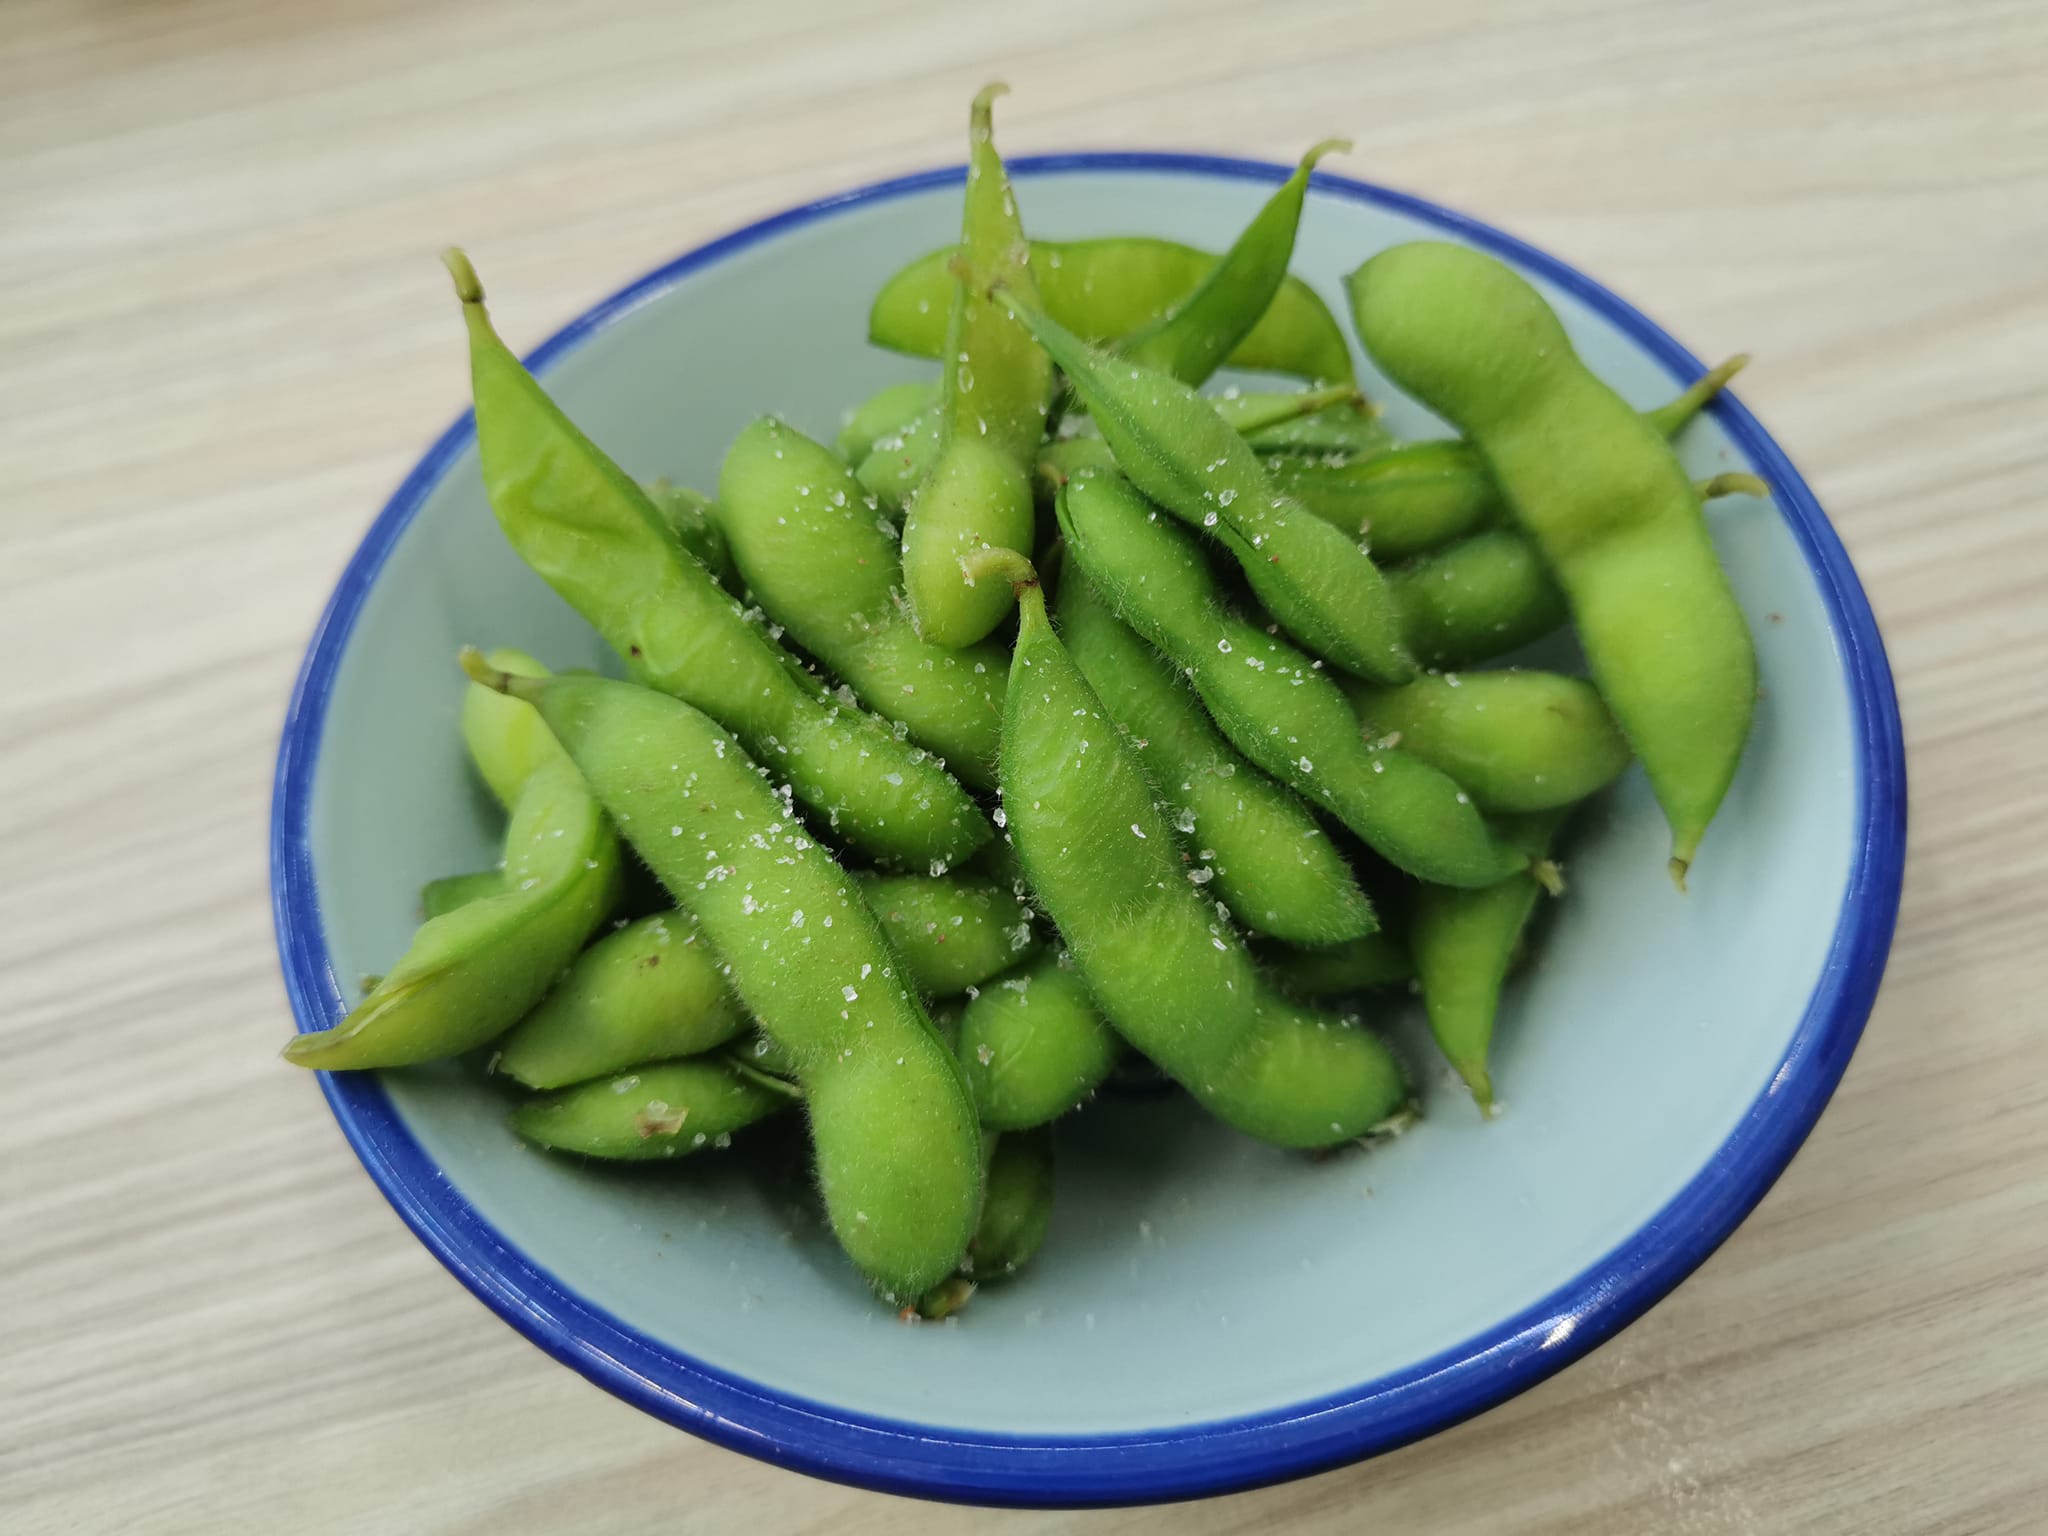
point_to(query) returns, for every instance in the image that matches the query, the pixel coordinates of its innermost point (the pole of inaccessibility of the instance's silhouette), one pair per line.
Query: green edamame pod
(580, 522)
(1063, 458)
(1034, 1045)
(900, 460)
(1014, 1216)
(1265, 417)
(1192, 339)
(885, 413)
(440, 897)
(819, 560)
(669, 1109)
(692, 521)
(1106, 289)
(1173, 446)
(645, 992)
(1347, 425)
(1166, 970)
(1463, 943)
(469, 975)
(507, 741)
(1613, 511)
(1406, 499)
(1271, 864)
(1017, 1208)
(951, 933)
(992, 405)
(1276, 706)
(892, 1123)
(1338, 970)
(1514, 740)
(1477, 598)
(1401, 501)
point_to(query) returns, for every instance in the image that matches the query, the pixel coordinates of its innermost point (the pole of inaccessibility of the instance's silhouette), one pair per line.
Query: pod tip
(468, 287)
(1678, 866)
(1327, 147)
(479, 670)
(986, 97)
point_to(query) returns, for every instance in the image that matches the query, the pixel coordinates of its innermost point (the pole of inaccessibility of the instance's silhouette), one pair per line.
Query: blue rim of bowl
(1187, 1461)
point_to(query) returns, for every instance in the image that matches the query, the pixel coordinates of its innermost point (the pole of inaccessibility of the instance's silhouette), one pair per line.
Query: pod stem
(1327, 147)
(1003, 564)
(1734, 482)
(1673, 414)
(480, 671)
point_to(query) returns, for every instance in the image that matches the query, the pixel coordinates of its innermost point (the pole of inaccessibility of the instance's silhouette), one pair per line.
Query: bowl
(1207, 1313)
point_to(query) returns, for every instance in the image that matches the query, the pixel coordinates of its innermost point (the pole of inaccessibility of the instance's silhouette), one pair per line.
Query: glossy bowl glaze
(1207, 1314)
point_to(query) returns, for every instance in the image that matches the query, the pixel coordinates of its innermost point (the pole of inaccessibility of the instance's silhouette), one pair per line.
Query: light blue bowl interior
(1190, 1275)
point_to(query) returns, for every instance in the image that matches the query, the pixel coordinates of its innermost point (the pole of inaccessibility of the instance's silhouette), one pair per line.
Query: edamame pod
(1463, 943)
(885, 413)
(1107, 289)
(470, 974)
(892, 1123)
(668, 1109)
(1617, 518)
(992, 406)
(1271, 864)
(645, 992)
(1514, 740)
(1034, 1045)
(900, 460)
(1276, 706)
(1166, 970)
(1173, 446)
(507, 741)
(1406, 499)
(692, 521)
(1475, 599)
(823, 563)
(1014, 1217)
(580, 522)
(440, 897)
(1192, 339)
(1347, 425)
(1339, 970)
(953, 932)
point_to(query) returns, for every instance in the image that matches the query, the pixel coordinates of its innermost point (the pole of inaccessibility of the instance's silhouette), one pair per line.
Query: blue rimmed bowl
(1207, 1314)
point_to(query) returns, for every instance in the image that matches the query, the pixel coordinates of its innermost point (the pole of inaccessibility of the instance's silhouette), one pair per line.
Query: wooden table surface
(224, 338)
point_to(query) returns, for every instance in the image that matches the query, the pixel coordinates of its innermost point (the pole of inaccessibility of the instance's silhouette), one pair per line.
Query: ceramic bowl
(1207, 1313)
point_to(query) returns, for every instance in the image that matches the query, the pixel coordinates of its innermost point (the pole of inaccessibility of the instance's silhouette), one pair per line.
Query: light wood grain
(223, 339)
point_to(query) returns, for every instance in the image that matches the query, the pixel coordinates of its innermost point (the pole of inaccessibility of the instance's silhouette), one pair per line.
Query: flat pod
(892, 1124)
(1192, 339)
(469, 974)
(1463, 943)
(1110, 288)
(1617, 519)
(583, 525)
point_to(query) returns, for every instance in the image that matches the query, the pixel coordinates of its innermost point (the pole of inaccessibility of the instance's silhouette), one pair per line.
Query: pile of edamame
(1059, 713)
